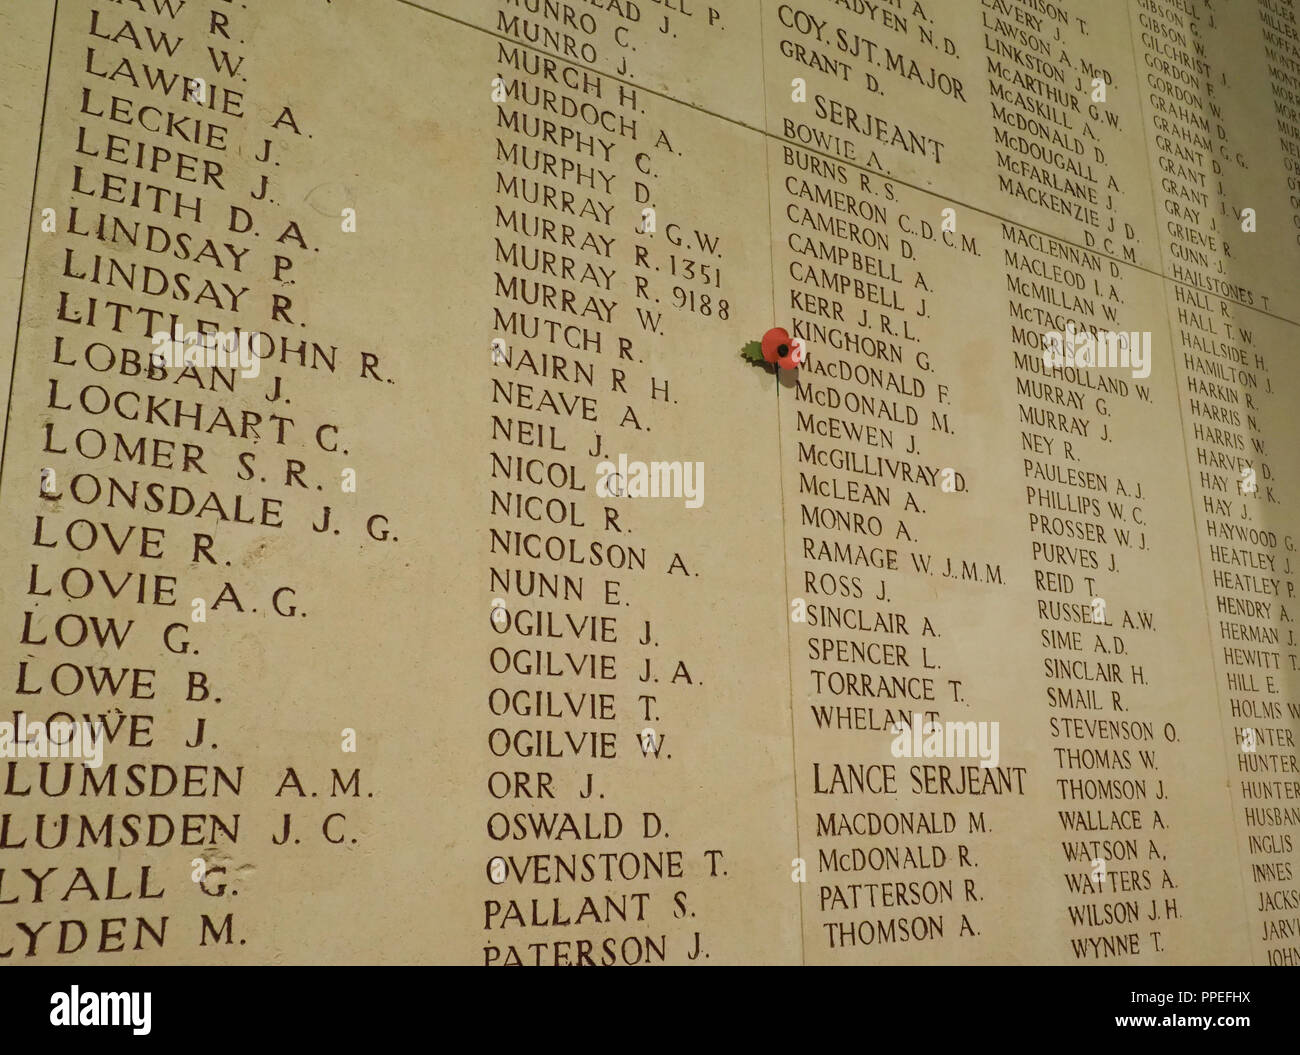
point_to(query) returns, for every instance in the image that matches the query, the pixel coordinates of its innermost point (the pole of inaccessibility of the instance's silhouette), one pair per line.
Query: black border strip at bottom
(1118, 1007)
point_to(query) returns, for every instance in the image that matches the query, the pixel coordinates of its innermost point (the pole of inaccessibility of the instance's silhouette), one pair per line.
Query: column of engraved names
(158, 484)
(1060, 107)
(1280, 33)
(1222, 363)
(1090, 543)
(126, 187)
(1281, 39)
(582, 680)
(877, 468)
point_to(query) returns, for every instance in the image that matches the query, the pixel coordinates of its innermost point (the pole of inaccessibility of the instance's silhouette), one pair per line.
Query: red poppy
(776, 347)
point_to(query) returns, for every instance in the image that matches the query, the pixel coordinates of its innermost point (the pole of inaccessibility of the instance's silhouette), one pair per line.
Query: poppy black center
(782, 350)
